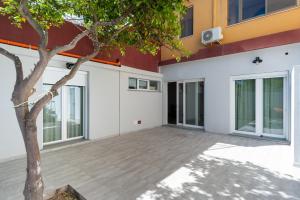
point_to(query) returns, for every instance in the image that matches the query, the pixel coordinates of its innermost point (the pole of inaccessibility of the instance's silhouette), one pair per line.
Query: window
(143, 84)
(154, 85)
(260, 105)
(239, 10)
(187, 23)
(132, 83)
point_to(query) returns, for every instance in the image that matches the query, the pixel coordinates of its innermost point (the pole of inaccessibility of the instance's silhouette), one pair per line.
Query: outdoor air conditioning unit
(212, 35)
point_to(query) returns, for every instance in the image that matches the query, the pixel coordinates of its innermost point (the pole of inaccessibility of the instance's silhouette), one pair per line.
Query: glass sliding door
(190, 103)
(52, 118)
(180, 103)
(273, 103)
(63, 115)
(245, 105)
(260, 105)
(200, 93)
(74, 111)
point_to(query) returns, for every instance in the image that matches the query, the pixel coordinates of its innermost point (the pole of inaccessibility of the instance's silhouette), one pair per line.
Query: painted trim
(273, 40)
(28, 46)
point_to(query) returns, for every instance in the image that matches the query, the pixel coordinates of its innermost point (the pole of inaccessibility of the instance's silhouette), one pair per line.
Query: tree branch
(23, 9)
(39, 105)
(37, 108)
(69, 46)
(17, 62)
(32, 79)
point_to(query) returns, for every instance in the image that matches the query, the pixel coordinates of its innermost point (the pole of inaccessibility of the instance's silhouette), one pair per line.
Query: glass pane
(245, 105)
(273, 106)
(187, 23)
(154, 85)
(52, 118)
(74, 111)
(253, 8)
(143, 84)
(132, 83)
(233, 11)
(191, 103)
(201, 104)
(274, 5)
(180, 103)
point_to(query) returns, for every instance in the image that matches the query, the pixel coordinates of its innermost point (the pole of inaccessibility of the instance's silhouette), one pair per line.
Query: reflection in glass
(245, 105)
(273, 106)
(143, 84)
(132, 83)
(52, 119)
(180, 101)
(194, 103)
(253, 8)
(74, 111)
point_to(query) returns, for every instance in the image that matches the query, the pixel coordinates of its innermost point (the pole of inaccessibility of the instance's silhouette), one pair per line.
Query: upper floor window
(187, 22)
(239, 10)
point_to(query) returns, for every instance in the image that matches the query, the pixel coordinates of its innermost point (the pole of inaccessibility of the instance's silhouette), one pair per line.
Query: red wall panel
(64, 34)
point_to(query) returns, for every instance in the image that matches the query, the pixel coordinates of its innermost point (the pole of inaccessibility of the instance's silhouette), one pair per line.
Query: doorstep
(282, 141)
(62, 145)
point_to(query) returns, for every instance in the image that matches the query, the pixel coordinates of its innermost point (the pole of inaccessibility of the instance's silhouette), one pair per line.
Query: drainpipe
(214, 13)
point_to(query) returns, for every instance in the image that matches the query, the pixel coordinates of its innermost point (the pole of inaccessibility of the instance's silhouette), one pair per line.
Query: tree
(109, 24)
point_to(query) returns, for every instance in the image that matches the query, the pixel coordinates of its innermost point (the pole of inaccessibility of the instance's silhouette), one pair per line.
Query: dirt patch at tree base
(64, 196)
(65, 193)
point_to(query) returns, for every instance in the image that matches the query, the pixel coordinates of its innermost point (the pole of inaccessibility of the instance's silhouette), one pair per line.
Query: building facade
(109, 96)
(246, 82)
(242, 83)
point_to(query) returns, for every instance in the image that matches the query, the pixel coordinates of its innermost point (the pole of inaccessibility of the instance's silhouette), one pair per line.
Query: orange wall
(212, 13)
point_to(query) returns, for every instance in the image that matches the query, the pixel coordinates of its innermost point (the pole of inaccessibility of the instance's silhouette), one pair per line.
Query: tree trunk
(34, 185)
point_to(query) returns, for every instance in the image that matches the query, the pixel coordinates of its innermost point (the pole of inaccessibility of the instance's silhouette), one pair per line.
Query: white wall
(107, 95)
(139, 105)
(295, 125)
(217, 73)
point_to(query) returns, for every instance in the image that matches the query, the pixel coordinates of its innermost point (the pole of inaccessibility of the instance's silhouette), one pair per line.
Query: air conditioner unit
(212, 35)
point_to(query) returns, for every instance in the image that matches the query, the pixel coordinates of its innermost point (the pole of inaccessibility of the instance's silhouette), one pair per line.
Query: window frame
(259, 104)
(182, 37)
(148, 85)
(129, 83)
(267, 13)
(147, 82)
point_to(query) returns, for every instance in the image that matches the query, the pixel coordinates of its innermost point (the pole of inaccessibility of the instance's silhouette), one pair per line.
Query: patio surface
(165, 163)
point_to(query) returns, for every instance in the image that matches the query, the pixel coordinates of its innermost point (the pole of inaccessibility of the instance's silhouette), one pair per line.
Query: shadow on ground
(163, 163)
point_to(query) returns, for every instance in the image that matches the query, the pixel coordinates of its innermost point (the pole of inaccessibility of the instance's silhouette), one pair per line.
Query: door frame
(259, 103)
(50, 76)
(184, 101)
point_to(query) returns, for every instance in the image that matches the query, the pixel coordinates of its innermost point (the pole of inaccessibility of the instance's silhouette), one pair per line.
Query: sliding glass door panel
(245, 105)
(194, 103)
(201, 104)
(273, 101)
(74, 111)
(52, 118)
(191, 103)
(180, 103)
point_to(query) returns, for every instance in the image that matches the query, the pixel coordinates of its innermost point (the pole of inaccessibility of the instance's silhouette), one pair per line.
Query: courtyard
(165, 163)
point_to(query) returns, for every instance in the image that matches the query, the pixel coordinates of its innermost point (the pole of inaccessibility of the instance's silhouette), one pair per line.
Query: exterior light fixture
(69, 65)
(257, 60)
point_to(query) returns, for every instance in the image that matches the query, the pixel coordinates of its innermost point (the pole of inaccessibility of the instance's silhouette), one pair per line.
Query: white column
(295, 114)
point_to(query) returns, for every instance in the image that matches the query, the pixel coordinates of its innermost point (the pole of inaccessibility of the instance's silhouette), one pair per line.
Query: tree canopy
(144, 24)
